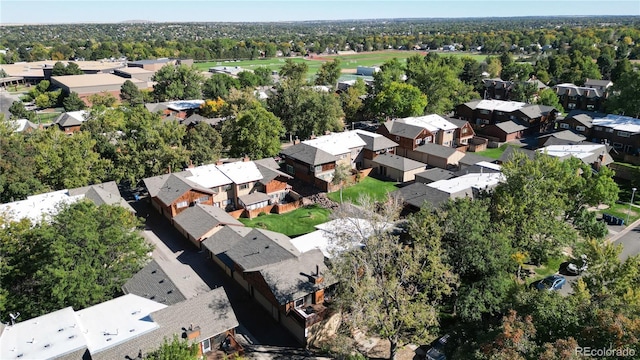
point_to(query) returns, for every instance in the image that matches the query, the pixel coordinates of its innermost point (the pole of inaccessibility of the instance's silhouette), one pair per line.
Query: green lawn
(47, 117)
(348, 62)
(551, 267)
(494, 153)
(376, 189)
(298, 222)
(620, 210)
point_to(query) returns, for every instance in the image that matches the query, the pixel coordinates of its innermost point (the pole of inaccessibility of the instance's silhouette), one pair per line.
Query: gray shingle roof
(404, 130)
(472, 104)
(567, 135)
(308, 154)
(510, 150)
(457, 122)
(290, 279)
(436, 150)
(211, 312)
(65, 120)
(253, 198)
(154, 107)
(105, 193)
(434, 174)
(510, 127)
(259, 248)
(376, 143)
(398, 162)
(225, 239)
(583, 119)
(171, 188)
(536, 111)
(269, 174)
(594, 82)
(417, 194)
(471, 158)
(153, 283)
(199, 219)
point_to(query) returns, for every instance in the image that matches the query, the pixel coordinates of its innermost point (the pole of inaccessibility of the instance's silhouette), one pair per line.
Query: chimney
(246, 159)
(219, 162)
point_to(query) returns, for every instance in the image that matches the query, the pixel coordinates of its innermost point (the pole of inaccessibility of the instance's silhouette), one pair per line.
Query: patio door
(206, 346)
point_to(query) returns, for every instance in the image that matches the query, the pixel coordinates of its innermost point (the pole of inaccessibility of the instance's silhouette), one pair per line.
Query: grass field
(298, 222)
(376, 189)
(47, 117)
(494, 153)
(621, 210)
(348, 61)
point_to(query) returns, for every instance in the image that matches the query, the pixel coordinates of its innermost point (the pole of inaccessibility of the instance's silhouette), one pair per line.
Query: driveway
(191, 271)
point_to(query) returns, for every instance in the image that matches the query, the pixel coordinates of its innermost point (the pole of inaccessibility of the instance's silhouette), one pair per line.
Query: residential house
(126, 327)
(71, 121)
(375, 145)
(199, 222)
(432, 175)
(563, 137)
(22, 125)
(308, 163)
(434, 129)
(436, 155)
(505, 131)
(510, 151)
(469, 185)
(594, 155)
(43, 206)
(246, 177)
(601, 85)
(574, 97)
(289, 284)
(171, 194)
(347, 146)
(152, 283)
(210, 177)
(417, 195)
(397, 168)
(497, 89)
(621, 132)
(195, 119)
(483, 113)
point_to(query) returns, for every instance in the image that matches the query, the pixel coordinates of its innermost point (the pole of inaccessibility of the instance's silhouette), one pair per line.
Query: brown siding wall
(256, 280)
(275, 185)
(190, 197)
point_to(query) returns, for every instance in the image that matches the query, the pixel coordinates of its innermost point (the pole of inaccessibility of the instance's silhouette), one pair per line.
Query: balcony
(310, 314)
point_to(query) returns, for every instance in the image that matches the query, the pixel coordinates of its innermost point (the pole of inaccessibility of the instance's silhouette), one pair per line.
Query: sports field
(349, 62)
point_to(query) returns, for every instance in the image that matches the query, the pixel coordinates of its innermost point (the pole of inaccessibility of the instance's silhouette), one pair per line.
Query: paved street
(6, 99)
(630, 242)
(262, 337)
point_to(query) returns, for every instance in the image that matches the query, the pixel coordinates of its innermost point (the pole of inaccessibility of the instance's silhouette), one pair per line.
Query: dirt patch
(349, 71)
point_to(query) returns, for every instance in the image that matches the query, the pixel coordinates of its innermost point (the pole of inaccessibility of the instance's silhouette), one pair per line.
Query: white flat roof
(208, 176)
(330, 236)
(185, 105)
(469, 181)
(337, 143)
(241, 172)
(578, 151)
(489, 165)
(431, 122)
(500, 105)
(45, 337)
(116, 321)
(619, 122)
(36, 207)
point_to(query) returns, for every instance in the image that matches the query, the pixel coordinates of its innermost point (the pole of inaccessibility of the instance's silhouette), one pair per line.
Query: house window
(617, 145)
(564, 126)
(598, 128)
(202, 199)
(226, 187)
(500, 113)
(580, 128)
(317, 168)
(418, 141)
(624, 134)
(182, 204)
(609, 130)
(290, 169)
(485, 112)
(485, 122)
(427, 139)
(591, 107)
(299, 303)
(571, 106)
(464, 131)
(243, 186)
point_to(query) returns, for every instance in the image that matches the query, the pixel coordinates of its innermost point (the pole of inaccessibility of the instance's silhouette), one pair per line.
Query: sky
(66, 11)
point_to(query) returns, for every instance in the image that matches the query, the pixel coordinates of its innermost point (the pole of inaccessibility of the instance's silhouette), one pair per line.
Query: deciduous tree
(73, 102)
(177, 83)
(255, 132)
(329, 73)
(399, 100)
(130, 94)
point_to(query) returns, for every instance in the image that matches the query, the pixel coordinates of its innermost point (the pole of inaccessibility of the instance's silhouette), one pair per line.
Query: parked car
(436, 351)
(551, 283)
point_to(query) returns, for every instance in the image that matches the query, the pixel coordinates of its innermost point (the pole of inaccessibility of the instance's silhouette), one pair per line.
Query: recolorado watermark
(602, 352)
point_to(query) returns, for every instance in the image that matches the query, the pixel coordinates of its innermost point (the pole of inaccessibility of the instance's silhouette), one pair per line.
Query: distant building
(86, 85)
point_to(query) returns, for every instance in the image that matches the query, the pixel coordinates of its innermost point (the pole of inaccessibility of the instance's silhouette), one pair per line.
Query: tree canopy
(80, 258)
(255, 133)
(177, 83)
